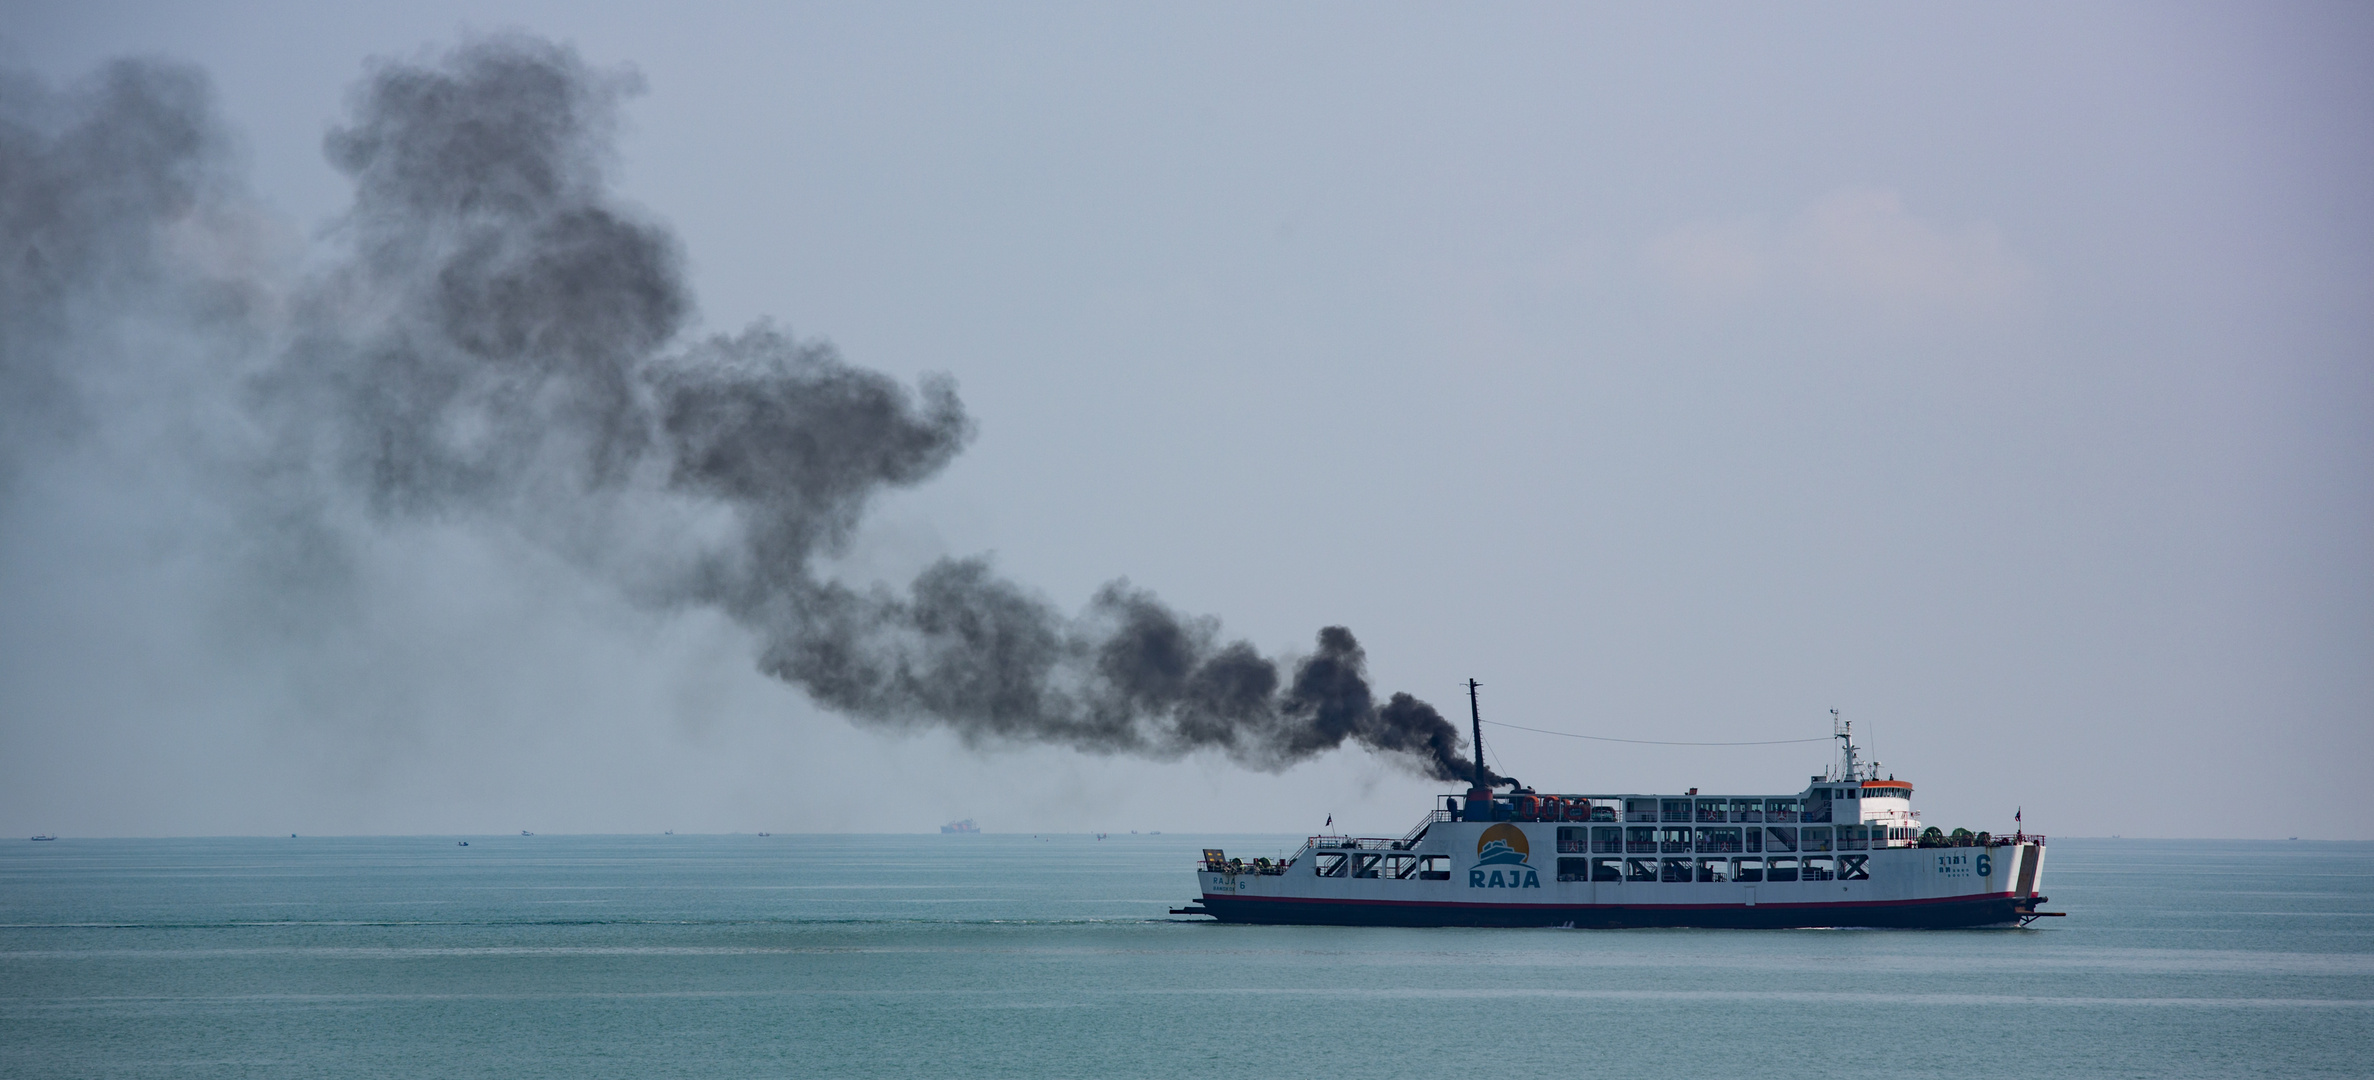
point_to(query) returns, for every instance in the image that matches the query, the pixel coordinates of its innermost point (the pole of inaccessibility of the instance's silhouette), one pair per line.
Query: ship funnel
(1479, 792)
(1475, 712)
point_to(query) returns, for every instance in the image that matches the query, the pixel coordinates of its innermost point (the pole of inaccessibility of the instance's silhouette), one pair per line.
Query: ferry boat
(965, 826)
(1848, 849)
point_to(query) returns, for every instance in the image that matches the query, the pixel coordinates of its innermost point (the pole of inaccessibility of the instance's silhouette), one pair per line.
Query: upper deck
(1883, 803)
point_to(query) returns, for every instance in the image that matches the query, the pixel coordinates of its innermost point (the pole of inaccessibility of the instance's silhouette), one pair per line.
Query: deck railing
(1633, 847)
(1950, 842)
(1356, 843)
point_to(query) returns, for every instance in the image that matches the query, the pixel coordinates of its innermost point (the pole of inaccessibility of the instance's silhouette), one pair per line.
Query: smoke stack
(1478, 792)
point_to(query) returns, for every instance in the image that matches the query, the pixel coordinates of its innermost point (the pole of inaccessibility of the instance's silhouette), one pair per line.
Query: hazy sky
(2000, 376)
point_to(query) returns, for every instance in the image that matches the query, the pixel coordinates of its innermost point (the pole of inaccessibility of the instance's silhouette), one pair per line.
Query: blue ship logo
(1502, 845)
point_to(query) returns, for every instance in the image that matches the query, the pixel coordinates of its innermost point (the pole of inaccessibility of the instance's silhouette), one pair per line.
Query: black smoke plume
(498, 340)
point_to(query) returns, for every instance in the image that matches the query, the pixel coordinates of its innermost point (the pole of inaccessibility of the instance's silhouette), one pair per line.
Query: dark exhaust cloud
(498, 341)
(105, 190)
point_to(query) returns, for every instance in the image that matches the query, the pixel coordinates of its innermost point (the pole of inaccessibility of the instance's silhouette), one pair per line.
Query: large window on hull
(1719, 841)
(1711, 870)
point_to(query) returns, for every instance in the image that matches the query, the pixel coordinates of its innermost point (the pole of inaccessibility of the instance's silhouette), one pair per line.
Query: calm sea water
(1013, 956)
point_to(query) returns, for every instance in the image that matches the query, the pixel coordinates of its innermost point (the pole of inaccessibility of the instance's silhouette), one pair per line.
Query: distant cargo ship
(1847, 850)
(965, 826)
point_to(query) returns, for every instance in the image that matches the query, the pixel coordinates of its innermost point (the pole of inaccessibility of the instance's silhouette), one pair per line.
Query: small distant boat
(45, 836)
(670, 832)
(524, 832)
(766, 834)
(965, 826)
(461, 843)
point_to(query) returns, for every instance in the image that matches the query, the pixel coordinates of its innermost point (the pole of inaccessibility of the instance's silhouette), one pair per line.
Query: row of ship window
(1676, 871)
(1669, 840)
(1816, 807)
(1363, 864)
(1625, 868)
(1731, 809)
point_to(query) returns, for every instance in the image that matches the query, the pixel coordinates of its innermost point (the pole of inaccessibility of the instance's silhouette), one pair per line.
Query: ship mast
(1844, 732)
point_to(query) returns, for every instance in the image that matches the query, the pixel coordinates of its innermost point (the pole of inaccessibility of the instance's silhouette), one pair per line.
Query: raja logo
(1502, 845)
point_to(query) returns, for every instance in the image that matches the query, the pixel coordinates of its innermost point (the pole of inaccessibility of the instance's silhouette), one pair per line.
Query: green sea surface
(1017, 956)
